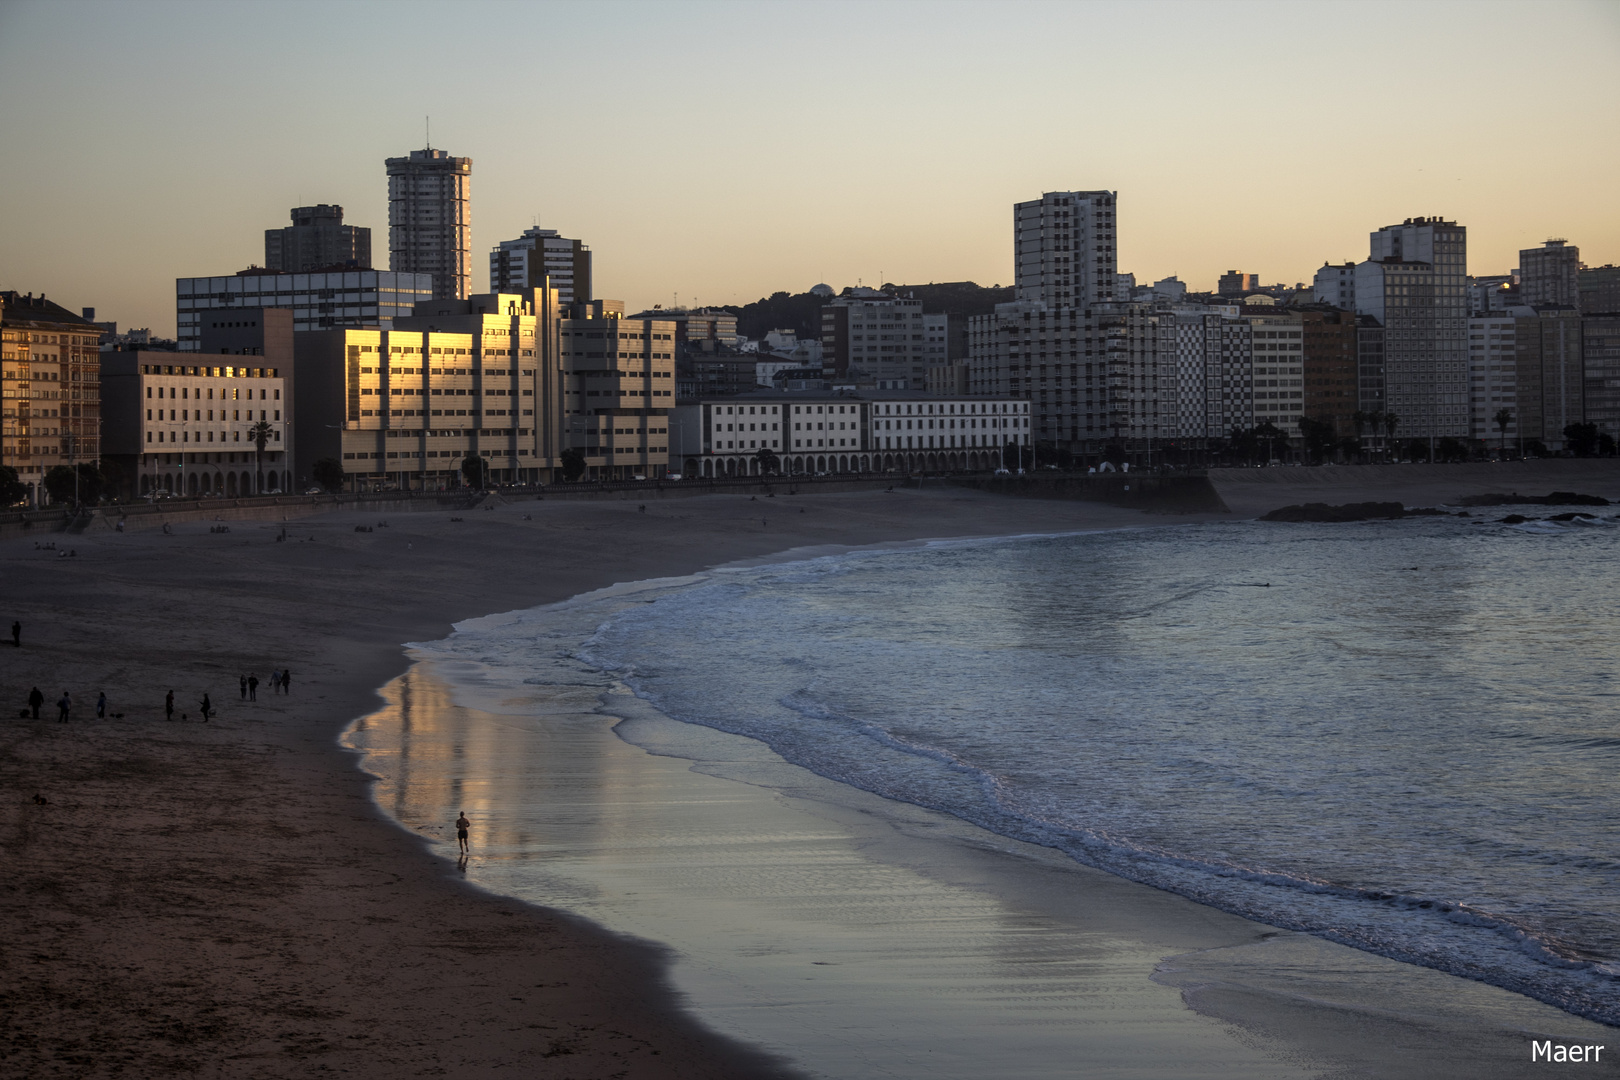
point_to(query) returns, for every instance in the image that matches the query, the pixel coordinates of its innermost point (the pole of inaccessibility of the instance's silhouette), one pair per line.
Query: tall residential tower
(516, 266)
(1415, 283)
(1063, 248)
(1550, 274)
(317, 239)
(430, 220)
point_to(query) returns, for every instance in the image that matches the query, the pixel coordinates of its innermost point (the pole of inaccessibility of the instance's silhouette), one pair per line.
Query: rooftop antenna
(427, 130)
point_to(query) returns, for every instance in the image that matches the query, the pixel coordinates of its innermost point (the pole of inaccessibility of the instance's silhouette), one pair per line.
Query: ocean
(1398, 736)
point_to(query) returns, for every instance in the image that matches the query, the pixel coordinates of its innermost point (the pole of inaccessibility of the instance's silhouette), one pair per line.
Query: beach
(227, 899)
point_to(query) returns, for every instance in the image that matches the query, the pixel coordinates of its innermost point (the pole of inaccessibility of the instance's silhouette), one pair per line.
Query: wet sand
(857, 936)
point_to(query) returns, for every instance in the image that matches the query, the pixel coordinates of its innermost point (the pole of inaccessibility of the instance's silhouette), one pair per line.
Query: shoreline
(226, 900)
(1304, 1001)
(181, 906)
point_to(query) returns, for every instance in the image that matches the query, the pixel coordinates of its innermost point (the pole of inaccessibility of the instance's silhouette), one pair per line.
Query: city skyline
(793, 152)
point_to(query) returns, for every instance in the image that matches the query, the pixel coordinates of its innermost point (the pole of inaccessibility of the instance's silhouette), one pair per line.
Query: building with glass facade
(332, 301)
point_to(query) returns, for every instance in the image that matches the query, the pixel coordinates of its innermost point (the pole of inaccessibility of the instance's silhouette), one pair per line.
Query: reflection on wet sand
(793, 923)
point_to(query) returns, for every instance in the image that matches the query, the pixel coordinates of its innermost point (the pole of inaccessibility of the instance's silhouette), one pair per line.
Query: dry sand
(226, 899)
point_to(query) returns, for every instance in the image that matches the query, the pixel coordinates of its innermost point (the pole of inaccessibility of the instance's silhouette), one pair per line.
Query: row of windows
(186, 436)
(211, 372)
(602, 335)
(226, 393)
(185, 414)
(409, 391)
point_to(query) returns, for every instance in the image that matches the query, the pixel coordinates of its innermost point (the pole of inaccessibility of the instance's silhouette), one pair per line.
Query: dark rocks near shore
(1389, 511)
(1556, 498)
(1366, 511)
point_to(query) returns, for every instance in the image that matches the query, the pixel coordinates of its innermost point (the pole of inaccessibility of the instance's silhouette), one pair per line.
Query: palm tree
(1359, 420)
(1503, 418)
(260, 434)
(1391, 422)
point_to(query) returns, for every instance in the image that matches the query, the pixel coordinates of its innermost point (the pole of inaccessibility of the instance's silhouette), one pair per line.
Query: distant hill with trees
(801, 312)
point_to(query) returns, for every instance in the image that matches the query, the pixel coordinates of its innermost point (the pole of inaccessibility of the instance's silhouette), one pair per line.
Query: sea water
(1400, 736)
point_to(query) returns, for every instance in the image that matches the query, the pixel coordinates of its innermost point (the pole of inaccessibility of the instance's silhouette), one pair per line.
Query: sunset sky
(716, 152)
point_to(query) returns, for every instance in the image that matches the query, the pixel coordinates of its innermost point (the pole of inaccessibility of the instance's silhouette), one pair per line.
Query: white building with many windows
(184, 428)
(845, 432)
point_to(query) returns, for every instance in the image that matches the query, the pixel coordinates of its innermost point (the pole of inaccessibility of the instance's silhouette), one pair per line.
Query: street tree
(12, 490)
(573, 463)
(1503, 418)
(328, 472)
(259, 433)
(475, 471)
(1582, 439)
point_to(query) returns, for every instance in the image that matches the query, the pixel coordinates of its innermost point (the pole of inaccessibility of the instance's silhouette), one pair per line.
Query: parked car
(315, 491)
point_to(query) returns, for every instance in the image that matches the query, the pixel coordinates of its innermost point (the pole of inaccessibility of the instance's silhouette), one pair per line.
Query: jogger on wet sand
(462, 825)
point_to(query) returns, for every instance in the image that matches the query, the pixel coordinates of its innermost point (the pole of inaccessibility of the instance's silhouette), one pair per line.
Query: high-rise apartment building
(50, 389)
(1600, 356)
(887, 339)
(1236, 283)
(619, 388)
(1493, 381)
(1194, 342)
(430, 220)
(1415, 283)
(1064, 249)
(1276, 365)
(317, 240)
(1551, 373)
(1370, 363)
(1093, 377)
(1331, 367)
(1336, 284)
(1549, 274)
(1492, 292)
(516, 266)
(1600, 290)
(351, 298)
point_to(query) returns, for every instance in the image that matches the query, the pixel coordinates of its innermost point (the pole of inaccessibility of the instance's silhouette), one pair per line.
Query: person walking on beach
(253, 687)
(244, 687)
(275, 680)
(206, 706)
(16, 635)
(462, 825)
(286, 681)
(64, 706)
(35, 700)
(101, 705)
(168, 706)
